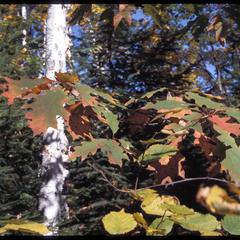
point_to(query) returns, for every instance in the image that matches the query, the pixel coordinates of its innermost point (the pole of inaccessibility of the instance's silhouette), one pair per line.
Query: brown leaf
(217, 26)
(206, 144)
(38, 89)
(136, 120)
(79, 119)
(66, 78)
(167, 169)
(124, 13)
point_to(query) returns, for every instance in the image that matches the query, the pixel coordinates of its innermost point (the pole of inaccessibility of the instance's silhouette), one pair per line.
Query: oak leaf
(223, 123)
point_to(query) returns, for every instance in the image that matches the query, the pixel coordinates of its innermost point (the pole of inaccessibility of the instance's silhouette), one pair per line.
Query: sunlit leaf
(141, 194)
(153, 206)
(233, 112)
(67, 78)
(152, 93)
(25, 227)
(156, 151)
(197, 222)
(160, 227)
(203, 101)
(218, 201)
(231, 224)
(178, 209)
(223, 123)
(165, 104)
(119, 222)
(109, 147)
(231, 161)
(140, 220)
(111, 119)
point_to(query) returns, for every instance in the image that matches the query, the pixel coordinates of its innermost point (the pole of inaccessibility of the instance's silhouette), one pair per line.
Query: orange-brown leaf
(79, 119)
(67, 78)
(207, 146)
(124, 13)
(37, 89)
(223, 123)
(167, 169)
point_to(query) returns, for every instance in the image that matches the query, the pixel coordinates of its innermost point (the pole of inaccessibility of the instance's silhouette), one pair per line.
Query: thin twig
(136, 183)
(106, 179)
(164, 186)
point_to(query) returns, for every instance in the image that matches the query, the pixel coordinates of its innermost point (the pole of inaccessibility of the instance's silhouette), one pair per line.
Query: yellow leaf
(141, 194)
(211, 233)
(140, 220)
(97, 9)
(155, 206)
(119, 222)
(217, 201)
(191, 77)
(25, 226)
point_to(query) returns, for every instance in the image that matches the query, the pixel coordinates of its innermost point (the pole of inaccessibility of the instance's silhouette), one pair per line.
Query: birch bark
(24, 16)
(56, 40)
(53, 173)
(55, 154)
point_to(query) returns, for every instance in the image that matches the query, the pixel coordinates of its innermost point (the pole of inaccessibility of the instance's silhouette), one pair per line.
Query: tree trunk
(56, 40)
(55, 154)
(53, 172)
(24, 16)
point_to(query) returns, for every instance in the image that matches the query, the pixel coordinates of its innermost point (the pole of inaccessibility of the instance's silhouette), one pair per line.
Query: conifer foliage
(19, 163)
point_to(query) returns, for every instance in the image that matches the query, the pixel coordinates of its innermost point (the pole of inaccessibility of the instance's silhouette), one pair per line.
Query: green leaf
(87, 148)
(126, 144)
(119, 222)
(156, 151)
(200, 101)
(178, 209)
(163, 227)
(231, 224)
(232, 160)
(25, 226)
(193, 117)
(197, 222)
(151, 93)
(165, 104)
(112, 120)
(109, 147)
(233, 112)
(86, 93)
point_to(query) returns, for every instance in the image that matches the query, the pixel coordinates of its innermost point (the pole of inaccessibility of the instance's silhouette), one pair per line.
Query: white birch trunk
(56, 40)
(51, 201)
(55, 154)
(24, 31)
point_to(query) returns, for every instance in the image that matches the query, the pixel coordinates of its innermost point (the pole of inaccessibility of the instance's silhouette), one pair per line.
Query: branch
(164, 186)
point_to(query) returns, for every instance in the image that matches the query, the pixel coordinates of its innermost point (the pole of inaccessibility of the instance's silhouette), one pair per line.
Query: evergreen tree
(19, 163)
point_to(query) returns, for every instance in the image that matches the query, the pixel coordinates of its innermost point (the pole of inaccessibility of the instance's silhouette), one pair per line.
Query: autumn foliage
(157, 131)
